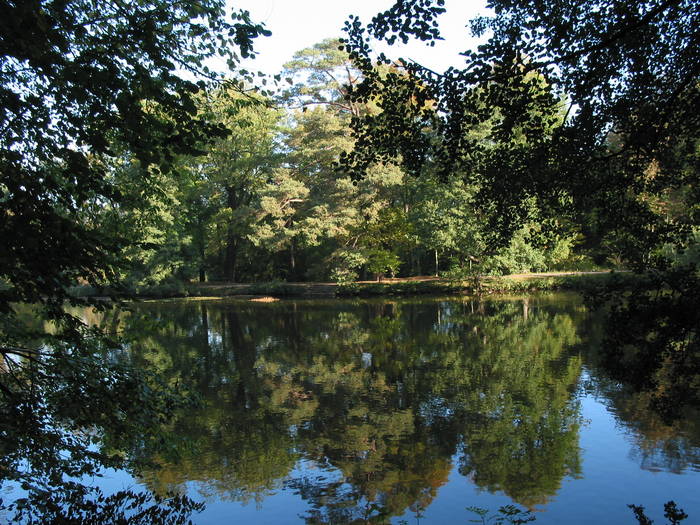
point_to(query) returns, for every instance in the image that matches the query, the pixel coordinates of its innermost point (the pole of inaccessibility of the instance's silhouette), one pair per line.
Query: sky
(297, 24)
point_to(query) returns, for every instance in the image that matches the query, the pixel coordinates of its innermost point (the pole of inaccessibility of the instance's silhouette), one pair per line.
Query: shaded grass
(493, 285)
(484, 286)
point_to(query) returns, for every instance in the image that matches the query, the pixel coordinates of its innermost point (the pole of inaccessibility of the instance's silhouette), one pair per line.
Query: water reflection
(383, 399)
(656, 444)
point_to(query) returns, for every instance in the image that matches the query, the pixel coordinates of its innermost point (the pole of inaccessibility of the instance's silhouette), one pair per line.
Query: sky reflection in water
(389, 410)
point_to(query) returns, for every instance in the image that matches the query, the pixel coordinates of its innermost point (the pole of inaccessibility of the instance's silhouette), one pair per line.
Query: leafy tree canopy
(629, 71)
(77, 78)
(85, 85)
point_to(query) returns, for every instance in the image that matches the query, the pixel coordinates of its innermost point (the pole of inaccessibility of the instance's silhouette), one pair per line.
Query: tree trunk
(437, 264)
(231, 239)
(292, 263)
(230, 257)
(202, 269)
(200, 242)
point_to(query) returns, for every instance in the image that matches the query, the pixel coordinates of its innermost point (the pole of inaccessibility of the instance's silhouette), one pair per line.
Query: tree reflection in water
(382, 397)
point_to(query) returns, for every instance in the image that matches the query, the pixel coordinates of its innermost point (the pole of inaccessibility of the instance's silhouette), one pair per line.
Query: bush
(343, 276)
(163, 290)
(380, 261)
(344, 264)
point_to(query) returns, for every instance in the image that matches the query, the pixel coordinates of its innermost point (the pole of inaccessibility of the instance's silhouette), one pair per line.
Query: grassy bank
(491, 285)
(522, 283)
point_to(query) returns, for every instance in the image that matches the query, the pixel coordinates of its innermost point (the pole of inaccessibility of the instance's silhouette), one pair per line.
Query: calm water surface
(406, 411)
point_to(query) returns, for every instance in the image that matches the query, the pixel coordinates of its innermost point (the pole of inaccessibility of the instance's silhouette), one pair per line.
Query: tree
(632, 70)
(323, 75)
(76, 78)
(146, 222)
(237, 167)
(299, 206)
(309, 208)
(446, 219)
(630, 73)
(83, 84)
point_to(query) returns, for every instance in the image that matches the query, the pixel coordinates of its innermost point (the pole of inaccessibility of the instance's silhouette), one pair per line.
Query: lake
(405, 411)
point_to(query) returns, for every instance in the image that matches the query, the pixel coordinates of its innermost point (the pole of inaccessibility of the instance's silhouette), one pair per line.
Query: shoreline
(487, 285)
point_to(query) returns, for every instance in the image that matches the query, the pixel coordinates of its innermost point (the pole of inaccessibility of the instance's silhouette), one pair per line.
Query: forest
(137, 151)
(269, 200)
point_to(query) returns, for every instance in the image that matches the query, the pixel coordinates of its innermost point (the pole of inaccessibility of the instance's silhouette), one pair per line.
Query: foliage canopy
(84, 85)
(629, 73)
